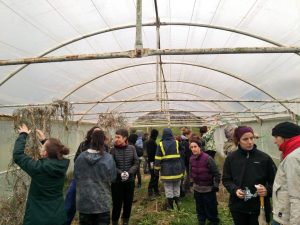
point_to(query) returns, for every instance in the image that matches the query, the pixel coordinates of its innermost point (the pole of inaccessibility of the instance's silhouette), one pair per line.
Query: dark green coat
(45, 203)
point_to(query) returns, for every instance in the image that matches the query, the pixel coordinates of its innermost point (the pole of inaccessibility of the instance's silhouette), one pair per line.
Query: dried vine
(12, 208)
(111, 121)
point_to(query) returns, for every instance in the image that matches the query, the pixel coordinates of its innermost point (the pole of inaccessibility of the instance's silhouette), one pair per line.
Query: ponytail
(56, 149)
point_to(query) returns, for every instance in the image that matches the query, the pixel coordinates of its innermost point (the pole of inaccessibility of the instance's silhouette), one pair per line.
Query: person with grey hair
(229, 145)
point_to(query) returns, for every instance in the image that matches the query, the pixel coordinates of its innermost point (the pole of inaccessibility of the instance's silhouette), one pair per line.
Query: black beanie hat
(286, 130)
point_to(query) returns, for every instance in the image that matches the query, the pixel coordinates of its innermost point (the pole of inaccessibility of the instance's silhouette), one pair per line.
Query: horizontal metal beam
(154, 100)
(151, 52)
(157, 24)
(180, 111)
(188, 100)
(169, 125)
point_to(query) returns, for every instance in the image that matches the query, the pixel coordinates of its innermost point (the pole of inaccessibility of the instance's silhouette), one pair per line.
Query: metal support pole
(138, 30)
(158, 47)
(151, 52)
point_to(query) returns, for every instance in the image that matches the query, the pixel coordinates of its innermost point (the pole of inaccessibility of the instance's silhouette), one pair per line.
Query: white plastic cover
(31, 28)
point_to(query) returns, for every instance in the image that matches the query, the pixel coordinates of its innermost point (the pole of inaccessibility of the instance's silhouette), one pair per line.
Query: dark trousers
(206, 207)
(138, 174)
(146, 167)
(186, 182)
(244, 218)
(153, 183)
(94, 219)
(122, 195)
(70, 202)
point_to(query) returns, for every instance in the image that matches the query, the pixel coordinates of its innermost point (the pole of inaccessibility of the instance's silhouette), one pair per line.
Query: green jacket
(45, 202)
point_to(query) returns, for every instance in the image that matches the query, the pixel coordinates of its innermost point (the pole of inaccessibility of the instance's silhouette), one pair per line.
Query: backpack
(139, 151)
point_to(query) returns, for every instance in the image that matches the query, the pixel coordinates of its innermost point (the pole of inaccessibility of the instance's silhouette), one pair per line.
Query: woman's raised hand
(23, 129)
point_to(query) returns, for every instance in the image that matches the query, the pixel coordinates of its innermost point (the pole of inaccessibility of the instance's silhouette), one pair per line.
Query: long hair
(56, 149)
(88, 136)
(97, 141)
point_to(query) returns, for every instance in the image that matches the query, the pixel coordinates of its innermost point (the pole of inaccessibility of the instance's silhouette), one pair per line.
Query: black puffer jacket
(126, 160)
(245, 169)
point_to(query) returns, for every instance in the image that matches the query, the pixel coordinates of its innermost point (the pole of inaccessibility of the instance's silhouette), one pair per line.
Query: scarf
(289, 146)
(122, 146)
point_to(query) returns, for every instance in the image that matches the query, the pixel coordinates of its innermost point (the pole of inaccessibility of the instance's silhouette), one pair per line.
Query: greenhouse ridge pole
(151, 52)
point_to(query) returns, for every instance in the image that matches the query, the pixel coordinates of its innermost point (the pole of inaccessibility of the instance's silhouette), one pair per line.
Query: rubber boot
(176, 199)
(213, 223)
(170, 204)
(125, 221)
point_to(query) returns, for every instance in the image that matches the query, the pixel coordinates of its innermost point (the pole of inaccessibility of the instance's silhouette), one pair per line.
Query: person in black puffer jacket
(123, 189)
(248, 173)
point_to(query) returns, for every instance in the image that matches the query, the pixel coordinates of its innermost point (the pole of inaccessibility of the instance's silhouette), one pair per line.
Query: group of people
(103, 175)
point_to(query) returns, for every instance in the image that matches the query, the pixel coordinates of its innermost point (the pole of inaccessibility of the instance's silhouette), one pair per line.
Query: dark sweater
(151, 147)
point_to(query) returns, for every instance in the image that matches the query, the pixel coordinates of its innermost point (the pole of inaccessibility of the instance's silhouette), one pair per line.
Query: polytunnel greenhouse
(68, 65)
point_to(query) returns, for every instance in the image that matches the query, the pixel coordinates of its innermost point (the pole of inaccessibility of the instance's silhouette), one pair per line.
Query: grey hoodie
(94, 174)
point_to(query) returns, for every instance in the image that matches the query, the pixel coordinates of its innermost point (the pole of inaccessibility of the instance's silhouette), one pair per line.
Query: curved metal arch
(173, 92)
(179, 63)
(145, 24)
(149, 82)
(144, 94)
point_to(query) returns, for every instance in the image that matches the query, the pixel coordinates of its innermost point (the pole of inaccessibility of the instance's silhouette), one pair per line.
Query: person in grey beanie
(286, 188)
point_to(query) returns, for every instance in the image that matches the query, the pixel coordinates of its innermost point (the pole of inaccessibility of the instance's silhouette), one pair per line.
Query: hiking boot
(170, 204)
(125, 221)
(176, 199)
(157, 194)
(213, 223)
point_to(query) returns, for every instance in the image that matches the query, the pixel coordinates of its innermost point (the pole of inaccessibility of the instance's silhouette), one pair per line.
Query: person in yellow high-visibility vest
(168, 162)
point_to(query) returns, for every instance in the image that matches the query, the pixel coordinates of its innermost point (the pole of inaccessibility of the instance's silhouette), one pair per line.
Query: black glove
(156, 172)
(215, 189)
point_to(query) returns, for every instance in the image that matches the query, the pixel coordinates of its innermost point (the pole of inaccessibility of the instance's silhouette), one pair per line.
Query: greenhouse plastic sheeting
(262, 84)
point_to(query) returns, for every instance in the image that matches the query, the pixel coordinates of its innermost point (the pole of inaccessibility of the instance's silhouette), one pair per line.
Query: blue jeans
(70, 202)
